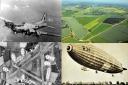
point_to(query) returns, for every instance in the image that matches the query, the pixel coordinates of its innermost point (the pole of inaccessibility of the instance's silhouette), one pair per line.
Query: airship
(94, 58)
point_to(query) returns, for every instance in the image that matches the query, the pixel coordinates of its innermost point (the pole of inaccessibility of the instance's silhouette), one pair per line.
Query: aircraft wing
(43, 26)
(5, 19)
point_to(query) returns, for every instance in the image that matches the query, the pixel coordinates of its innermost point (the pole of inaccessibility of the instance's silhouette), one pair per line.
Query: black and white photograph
(94, 64)
(25, 63)
(30, 20)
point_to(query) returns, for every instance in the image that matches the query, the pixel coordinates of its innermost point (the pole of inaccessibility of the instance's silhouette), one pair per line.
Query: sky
(101, 1)
(22, 44)
(31, 11)
(71, 70)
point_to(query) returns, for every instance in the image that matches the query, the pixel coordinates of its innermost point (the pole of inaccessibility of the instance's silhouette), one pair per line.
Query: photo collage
(63, 42)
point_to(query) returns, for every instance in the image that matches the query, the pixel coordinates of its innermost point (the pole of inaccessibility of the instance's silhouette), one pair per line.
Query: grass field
(68, 13)
(65, 32)
(75, 28)
(85, 20)
(87, 24)
(97, 30)
(69, 39)
(117, 33)
(95, 22)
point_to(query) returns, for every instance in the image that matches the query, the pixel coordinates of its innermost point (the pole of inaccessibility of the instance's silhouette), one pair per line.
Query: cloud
(16, 7)
(4, 6)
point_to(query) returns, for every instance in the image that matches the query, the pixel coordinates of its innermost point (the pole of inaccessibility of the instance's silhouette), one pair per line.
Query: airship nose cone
(69, 48)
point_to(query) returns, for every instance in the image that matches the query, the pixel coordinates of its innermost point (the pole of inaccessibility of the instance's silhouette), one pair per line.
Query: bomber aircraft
(27, 28)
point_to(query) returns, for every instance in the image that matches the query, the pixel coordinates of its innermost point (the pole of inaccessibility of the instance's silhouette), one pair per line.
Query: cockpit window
(85, 48)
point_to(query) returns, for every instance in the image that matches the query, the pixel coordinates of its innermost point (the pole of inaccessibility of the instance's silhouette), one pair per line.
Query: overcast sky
(28, 10)
(71, 71)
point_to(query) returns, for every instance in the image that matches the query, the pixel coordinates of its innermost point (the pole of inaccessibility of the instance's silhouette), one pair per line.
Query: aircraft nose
(69, 48)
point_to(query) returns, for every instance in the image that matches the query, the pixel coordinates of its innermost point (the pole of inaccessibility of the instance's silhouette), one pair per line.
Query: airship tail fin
(124, 68)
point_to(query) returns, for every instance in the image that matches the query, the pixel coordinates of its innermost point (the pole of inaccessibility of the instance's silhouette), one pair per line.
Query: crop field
(98, 24)
(97, 30)
(73, 29)
(85, 20)
(117, 33)
(68, 13)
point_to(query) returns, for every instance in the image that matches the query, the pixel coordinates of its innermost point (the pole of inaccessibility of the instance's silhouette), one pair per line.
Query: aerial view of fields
(95, 21)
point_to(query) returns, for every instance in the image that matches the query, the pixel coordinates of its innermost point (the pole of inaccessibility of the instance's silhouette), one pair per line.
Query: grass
(65, 32)
(100, 11)
(69, 39)
(98, 29)
(117, 33)
(96, 22)
(85, 20)
(76, 28)
(68, 13)
(87, 25)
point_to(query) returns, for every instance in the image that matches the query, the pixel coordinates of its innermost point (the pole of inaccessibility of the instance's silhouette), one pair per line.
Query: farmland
(87, 23)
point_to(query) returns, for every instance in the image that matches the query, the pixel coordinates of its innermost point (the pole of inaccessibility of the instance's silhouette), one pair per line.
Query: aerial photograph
(95, 64)
(30, 20)
(25, 63)
(95, 21)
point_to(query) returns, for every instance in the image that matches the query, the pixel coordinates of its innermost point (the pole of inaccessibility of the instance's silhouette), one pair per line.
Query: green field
(85, 20)
(87, 24)
(65, 32)
(97, 30)
(117, 33)
(68, 13)
(75, 28)
(69, 39)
